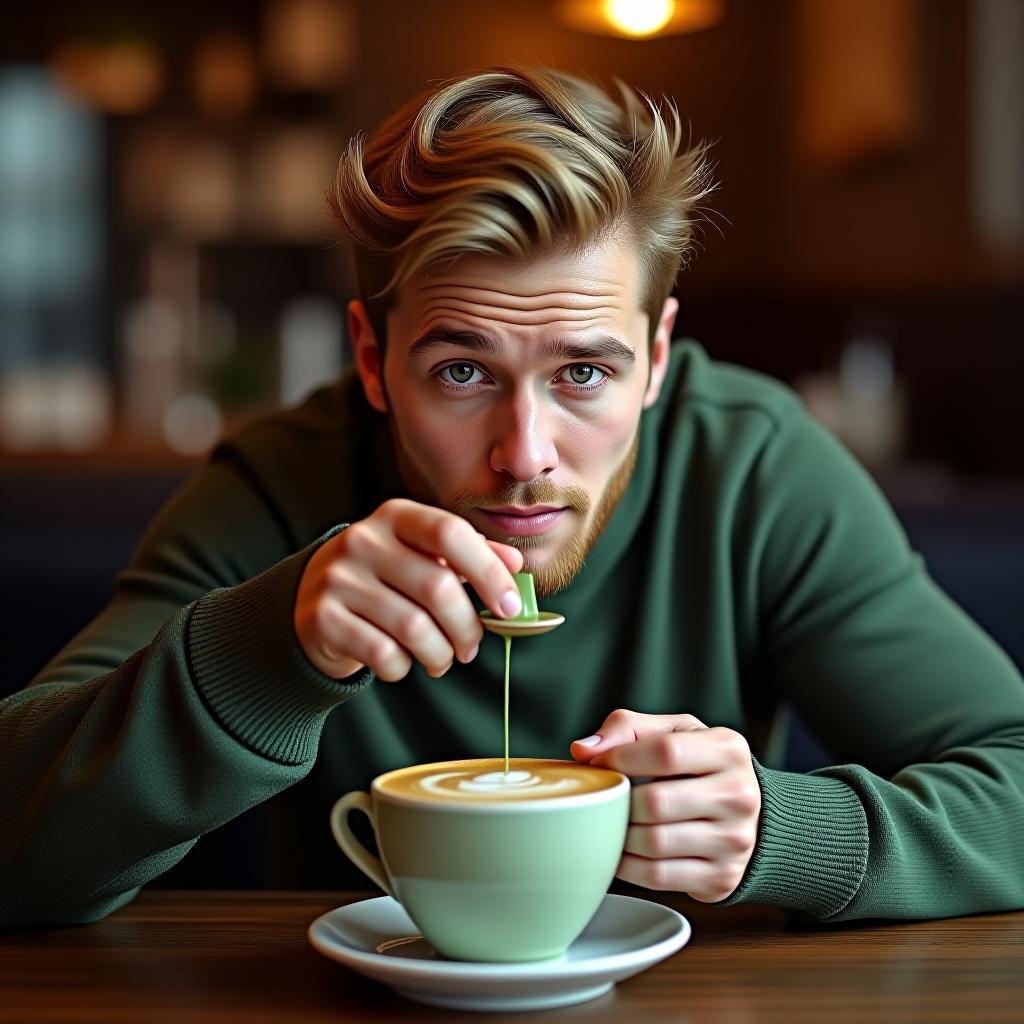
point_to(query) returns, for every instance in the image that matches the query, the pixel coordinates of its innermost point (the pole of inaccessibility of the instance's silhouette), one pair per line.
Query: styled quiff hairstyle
(518, 161)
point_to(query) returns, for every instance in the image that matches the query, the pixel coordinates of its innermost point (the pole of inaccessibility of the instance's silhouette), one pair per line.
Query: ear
(659, 350)
(367, 354)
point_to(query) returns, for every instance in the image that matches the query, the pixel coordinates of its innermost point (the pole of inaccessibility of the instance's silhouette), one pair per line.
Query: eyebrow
(603, 347)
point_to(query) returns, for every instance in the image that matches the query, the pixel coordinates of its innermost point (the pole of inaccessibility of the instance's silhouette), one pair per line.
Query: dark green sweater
(752, 562)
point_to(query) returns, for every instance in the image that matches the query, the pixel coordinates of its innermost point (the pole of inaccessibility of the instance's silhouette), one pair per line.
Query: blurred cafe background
(168, 269)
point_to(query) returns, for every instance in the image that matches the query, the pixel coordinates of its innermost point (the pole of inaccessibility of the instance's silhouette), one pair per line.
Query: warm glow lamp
(639, 19)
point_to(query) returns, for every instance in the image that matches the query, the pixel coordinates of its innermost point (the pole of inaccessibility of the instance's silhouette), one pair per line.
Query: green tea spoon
(529, 622)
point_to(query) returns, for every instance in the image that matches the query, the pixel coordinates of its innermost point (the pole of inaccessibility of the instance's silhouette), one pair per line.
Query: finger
(717, 797)
(692, 752)
(346, 633)
(704, 839)
(623, 726)
(704, 880)
(512, 557)
(441, 534)
(437, 590)
(679, 874)
(409, 624)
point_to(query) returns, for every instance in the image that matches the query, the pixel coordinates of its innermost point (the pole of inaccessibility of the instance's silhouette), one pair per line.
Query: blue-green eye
(461, 372)
(582, 376)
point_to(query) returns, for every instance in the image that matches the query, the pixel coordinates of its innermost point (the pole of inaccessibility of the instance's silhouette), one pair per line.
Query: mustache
(522, 496)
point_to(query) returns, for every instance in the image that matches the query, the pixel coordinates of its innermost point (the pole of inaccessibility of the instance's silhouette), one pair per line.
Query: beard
(566, 564)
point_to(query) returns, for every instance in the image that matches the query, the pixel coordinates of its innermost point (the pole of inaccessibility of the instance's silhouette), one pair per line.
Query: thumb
(623, 726)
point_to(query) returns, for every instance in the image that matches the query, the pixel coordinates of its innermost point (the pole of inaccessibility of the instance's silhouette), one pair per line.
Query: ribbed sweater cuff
(248, 665)
(812, 850)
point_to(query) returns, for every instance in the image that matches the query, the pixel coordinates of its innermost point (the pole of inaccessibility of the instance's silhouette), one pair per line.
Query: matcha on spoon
(529, 621)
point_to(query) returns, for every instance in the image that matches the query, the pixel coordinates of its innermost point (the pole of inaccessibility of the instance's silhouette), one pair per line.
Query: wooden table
(243, 956)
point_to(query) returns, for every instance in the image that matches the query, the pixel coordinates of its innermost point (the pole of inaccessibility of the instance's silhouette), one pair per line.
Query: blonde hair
(515, 161)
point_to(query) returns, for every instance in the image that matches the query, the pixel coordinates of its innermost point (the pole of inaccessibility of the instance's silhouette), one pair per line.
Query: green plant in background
(247, 375)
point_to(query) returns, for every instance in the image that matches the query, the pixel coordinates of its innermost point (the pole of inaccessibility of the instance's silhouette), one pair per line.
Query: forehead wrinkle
(525, 300)
(571, 309)
(595, 322)
(450, 302)
(533, 318)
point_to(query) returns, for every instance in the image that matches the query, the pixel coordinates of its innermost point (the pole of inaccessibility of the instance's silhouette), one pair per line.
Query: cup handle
(346, 839)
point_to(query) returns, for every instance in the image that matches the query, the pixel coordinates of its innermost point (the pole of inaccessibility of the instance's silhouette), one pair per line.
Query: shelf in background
(120, 451)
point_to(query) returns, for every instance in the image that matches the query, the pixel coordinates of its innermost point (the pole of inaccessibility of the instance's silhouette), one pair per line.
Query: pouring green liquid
(529, 622)
(524, 581)
(508, 657)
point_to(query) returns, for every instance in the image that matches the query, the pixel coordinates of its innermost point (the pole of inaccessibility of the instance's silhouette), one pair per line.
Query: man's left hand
(694, 827)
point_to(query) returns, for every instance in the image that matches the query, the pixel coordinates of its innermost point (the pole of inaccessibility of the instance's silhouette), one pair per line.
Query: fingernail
(590, 741)
(511, 604)
(470, 655)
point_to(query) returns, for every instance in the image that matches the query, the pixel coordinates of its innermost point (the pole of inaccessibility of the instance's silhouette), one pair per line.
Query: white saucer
(377, 938)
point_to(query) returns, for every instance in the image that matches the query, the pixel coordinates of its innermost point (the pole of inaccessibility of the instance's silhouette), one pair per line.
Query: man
(301, 616)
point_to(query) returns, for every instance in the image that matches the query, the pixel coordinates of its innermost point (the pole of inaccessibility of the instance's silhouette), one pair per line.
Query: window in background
(54, 391)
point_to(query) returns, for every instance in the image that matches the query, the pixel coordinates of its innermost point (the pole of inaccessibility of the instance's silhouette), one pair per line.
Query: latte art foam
(485, 781)
(498, 785)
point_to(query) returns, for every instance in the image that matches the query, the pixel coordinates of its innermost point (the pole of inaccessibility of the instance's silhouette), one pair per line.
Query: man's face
(519, 387)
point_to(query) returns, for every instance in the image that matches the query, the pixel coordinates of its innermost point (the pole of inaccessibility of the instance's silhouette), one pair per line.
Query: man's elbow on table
(22, 915)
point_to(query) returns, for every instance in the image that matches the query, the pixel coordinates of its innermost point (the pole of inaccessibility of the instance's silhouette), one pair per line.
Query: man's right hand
(388, 589)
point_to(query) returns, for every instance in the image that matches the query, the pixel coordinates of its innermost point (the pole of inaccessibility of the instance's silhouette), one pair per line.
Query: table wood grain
(244, 957)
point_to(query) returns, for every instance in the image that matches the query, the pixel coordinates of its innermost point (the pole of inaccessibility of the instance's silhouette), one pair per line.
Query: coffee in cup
(493, 866)
(461, 781)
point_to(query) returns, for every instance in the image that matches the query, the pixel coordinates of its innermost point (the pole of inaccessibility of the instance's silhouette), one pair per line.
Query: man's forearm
(108, 782)
(937, 840)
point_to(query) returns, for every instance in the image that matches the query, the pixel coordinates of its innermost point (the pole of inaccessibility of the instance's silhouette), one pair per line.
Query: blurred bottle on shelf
(309, 44)
(202, 201)
(192, 424)
(282, 188)
(310, 347)
(224, 76)
(152, 365)
(55, 407)
(862, 401)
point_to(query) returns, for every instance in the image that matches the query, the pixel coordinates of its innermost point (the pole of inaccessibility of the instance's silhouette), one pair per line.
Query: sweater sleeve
(185, 702)
(924, 816)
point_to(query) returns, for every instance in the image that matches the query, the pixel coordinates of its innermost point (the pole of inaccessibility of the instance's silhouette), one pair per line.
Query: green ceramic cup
(487, 877)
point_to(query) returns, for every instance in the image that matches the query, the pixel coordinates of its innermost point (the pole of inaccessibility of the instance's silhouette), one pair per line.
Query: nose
(525, 444)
